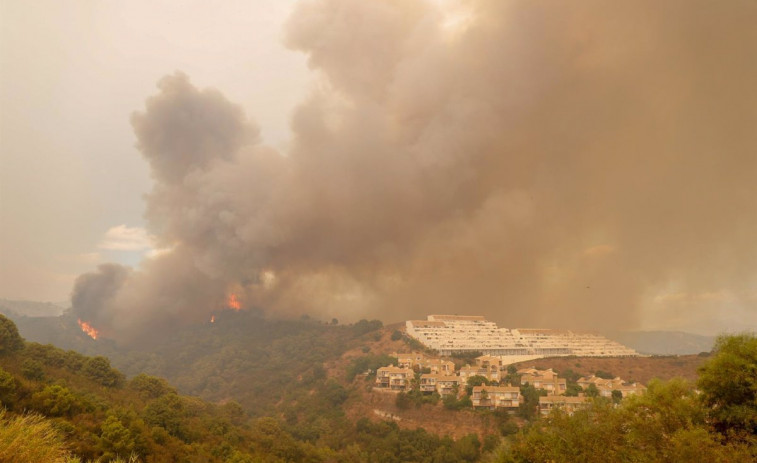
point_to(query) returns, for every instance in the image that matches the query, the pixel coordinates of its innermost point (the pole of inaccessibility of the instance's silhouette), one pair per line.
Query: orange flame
(212, 319)
(89, 329)
(233, 302)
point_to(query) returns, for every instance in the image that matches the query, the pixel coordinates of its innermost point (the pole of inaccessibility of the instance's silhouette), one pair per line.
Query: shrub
(10, 340)
(368, 362)
(55, 400)
(32, 369)
(150, 386)
(30, 439)
(728, 382)
(98, 369)
(7, 388)
(116, 438)
(402, 401)
(364, 326)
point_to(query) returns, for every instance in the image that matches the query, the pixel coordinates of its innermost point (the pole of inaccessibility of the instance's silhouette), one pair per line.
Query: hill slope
(663, 342)
(96, 412)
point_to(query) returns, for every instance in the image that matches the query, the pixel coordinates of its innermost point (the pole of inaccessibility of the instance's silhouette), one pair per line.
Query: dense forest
(270, 396)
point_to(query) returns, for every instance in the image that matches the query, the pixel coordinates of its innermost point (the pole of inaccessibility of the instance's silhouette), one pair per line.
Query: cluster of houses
(440, 376)
(606, 386)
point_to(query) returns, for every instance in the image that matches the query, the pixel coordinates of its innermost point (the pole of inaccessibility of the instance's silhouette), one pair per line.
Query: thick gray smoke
(554, 164)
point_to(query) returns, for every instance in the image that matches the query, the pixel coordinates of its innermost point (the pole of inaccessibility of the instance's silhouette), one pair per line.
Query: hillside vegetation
(671, 422)
(81, 407)
(300, 390)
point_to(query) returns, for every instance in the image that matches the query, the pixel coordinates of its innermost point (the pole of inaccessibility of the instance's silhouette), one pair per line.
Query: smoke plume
(551, 164)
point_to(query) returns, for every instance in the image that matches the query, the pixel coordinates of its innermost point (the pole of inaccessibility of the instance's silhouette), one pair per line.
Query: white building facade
(448, 334)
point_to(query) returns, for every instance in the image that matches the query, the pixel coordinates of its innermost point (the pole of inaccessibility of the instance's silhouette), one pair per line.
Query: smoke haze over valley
(588, 165)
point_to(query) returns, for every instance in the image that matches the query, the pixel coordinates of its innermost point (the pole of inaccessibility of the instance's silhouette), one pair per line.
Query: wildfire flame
(212, 319)
(89, 329)
(233, 303)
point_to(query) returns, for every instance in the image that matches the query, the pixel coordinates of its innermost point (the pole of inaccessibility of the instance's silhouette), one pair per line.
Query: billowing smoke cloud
(542, 163)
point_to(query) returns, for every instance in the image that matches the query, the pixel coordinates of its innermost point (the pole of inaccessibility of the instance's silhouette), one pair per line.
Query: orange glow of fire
(233, 302)
(212, 319)
(89, 329)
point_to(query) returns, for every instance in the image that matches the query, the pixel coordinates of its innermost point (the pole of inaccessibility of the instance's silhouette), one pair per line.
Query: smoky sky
(550, 164)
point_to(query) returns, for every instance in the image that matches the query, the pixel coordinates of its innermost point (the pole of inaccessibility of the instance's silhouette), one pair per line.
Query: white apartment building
(466, 333)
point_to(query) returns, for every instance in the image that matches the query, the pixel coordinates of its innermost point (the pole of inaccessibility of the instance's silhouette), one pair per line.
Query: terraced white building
(465, 333)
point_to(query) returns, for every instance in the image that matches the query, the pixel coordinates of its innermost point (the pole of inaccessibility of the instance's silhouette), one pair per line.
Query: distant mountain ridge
(30, 308)
(663, 342)
(49, 330)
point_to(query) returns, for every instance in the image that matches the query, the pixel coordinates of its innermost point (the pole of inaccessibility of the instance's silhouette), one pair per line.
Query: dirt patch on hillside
(641, 369)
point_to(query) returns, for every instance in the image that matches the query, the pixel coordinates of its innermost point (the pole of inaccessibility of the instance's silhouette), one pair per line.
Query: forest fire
(87, 328)
(212, 319)
(233, 303)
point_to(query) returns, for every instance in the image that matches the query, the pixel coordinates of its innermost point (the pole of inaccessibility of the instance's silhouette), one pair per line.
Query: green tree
(570, 375)
(168, 413)
(728, 382)
(150, 386)
(617, 396)
(333, 393)
(369, 362)
(47, 354)
(527, 409)
(10, 340)
(573, 390)
(116, 438)
(451, 401)
(648, 428)
(467, 448)
(32, 369)
(55, 400)
(98, 369)
(272, 440)
(592, 391)
(512, 378)
(7, 389)
(476, 380)
(402, 401)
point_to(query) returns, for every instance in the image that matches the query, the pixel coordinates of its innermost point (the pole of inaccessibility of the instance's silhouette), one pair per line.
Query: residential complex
(606, 386)
(501, 347)
(448, 334)
(441, 377)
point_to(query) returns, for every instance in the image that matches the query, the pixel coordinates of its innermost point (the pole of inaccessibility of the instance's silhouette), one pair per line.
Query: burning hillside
(88, 329)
